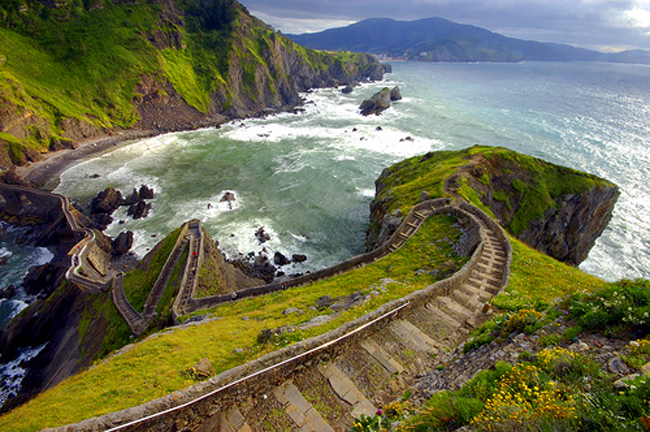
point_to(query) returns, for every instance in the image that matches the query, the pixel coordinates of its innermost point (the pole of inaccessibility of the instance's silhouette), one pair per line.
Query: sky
(604, 25)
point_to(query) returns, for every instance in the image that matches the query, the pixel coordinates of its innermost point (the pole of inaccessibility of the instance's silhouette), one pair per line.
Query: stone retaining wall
(178, 409)
(354, 262)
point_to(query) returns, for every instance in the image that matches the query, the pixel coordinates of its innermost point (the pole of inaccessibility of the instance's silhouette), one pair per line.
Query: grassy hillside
(80, 69)
(156, 366)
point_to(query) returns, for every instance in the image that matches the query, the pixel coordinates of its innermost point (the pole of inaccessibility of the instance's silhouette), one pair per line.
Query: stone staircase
(324, 383)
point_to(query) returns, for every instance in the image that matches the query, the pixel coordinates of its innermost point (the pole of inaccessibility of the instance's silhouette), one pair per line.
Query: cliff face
(71, 73)
(556, 210)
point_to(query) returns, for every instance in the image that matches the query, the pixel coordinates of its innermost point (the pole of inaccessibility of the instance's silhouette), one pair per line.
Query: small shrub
(639, 353)
(622, 306)
(445, 411)
(526, 399)
(527, 320)
(365, 423)
(566, 365)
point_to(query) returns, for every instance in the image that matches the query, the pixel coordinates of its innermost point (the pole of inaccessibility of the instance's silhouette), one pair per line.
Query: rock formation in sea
(558, 211)
(380, 101)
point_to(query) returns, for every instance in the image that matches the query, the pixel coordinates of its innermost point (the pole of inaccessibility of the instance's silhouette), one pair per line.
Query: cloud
(587, 23)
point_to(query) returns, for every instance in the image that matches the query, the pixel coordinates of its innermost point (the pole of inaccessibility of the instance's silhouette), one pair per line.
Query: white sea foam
(367, 193)
(12, 374)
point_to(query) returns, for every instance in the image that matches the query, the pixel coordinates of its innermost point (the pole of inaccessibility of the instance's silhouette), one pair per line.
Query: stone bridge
(88, 269)
(323, 383)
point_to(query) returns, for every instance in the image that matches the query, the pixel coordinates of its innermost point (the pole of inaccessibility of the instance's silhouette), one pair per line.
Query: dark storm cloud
(602, 24)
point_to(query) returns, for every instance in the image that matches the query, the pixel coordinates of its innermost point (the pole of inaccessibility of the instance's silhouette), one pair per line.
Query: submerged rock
(279, 259)
(298, 258)
(139, 210)
(261, 235)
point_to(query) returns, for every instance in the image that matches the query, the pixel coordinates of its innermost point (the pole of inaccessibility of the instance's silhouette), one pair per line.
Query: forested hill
(441, 40)
(75, 70)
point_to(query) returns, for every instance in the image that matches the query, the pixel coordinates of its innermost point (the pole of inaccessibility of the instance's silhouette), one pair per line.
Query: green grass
(546, 184)
(155, 367)
(139, 281)
(536, 277)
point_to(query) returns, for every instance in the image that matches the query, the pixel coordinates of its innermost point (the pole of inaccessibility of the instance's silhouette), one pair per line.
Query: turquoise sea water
(308, 179)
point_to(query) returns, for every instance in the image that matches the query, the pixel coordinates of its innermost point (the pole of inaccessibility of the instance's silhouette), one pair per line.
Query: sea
(308, 178)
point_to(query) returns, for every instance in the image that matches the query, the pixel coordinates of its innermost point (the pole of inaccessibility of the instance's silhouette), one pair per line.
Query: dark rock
(347, 89)
(228, 197)
(106, 201)
(279, 259)
(348, 302)
(57, 144)
(379, 129)
(101, 221)
(272, 335)
(7, 293)
(131, 199)
(3, 260)
(379, 102)
(139, 210)
(262, 236)
(395, 94)
(292, 311)
(257, 268)
(42, 278)
(298, 258)
(146, 192)
(94, 176)
(122, 243)
(618, 367)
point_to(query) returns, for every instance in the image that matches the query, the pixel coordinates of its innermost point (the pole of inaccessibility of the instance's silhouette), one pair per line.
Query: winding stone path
(82, 271)
(325, 382)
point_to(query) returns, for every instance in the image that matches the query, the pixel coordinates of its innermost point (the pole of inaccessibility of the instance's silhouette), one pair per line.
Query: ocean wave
(12, 373)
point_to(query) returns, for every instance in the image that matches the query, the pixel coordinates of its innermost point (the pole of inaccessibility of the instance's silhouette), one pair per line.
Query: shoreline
(44, 174)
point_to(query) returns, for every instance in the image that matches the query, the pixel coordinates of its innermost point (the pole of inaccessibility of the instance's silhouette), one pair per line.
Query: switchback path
(82, 271)
(323, 383)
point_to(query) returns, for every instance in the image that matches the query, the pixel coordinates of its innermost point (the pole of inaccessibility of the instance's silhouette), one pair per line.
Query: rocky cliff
(71, 73)
(558, 211)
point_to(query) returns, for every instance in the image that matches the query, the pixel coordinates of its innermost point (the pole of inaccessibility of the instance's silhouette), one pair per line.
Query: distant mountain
(441, 40)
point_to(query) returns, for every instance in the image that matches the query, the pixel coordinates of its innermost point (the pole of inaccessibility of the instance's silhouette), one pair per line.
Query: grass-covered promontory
(74, 70)
(555, 209)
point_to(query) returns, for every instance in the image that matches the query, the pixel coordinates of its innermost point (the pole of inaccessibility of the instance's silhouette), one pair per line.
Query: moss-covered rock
(556, 210)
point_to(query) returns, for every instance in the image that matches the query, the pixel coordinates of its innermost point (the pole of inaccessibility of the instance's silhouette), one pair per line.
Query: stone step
(303, 414)
(453, 308)
(422, 215)
(468, 289)
(413, 336)
(470, 302)
(346, 390)
(443, 316)
(236, 421)
(379, 354)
